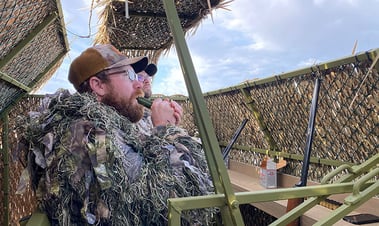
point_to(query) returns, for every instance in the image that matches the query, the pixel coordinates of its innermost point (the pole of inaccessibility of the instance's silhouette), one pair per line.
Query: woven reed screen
(147, 19)
(20, 205)
(32, 45)
(346, 126)
(347, 123)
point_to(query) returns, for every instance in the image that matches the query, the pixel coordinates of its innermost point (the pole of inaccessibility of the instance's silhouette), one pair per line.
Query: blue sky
(255, 39)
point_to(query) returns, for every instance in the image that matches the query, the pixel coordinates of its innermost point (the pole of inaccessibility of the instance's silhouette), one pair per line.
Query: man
(145, 124)
(87, 160)
(148, 74)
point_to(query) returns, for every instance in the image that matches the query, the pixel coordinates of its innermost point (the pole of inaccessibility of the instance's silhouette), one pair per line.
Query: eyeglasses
(147, 78)
(133, 76)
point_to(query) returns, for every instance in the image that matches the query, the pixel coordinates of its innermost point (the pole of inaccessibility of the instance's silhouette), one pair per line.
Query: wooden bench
(245, 177)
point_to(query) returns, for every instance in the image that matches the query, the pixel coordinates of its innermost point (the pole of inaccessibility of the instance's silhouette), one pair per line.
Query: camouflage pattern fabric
(145, 125)
(91, 166)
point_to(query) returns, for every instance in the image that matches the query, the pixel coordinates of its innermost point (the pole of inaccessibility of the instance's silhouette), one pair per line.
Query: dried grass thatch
(32, 46)
(146, 31)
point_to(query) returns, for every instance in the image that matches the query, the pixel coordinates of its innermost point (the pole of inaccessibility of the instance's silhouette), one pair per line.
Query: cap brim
(138, 63)
(151, 69)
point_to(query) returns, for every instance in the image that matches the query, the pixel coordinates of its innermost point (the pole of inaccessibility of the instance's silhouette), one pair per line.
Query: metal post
(5, 159)
(230, 212)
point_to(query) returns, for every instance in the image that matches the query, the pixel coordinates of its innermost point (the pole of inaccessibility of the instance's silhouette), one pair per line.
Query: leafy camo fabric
(91, 166)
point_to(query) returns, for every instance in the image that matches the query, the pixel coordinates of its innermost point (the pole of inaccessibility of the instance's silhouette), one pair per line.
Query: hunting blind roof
(143, 29)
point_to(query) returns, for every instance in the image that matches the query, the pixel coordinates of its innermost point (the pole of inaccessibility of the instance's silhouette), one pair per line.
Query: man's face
(146, 84)
(122, 92)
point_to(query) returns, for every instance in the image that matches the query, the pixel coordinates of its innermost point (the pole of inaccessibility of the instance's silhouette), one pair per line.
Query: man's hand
(165, 112)
(178, 111)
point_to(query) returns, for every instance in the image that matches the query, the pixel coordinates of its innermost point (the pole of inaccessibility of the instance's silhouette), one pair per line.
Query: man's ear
(97, 86)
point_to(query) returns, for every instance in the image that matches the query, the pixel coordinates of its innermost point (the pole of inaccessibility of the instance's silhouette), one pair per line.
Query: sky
(256, 39)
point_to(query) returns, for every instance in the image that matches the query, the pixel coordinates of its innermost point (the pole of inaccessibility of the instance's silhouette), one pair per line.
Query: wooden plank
(245, 177)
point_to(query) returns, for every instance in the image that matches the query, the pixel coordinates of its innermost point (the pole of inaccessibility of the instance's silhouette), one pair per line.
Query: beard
(126, 107)
(147, 91)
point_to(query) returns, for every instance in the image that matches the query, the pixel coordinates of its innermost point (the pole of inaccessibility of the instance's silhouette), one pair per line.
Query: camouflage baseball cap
(98, 58)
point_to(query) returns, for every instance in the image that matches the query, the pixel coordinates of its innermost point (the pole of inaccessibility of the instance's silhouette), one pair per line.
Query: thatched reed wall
(147, 19)
(347, 123)
(20, 205)
(32, 46)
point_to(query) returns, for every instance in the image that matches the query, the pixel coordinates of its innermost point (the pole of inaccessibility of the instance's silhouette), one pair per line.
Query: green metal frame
(317, 160)
(353, 173)
(361, 190)
(354, 200)
(22, 95)
(187, 203)
(14, 82)
(26, 88)
(36, 31)
(25, 42)
(251, 105)
(372, 55)
(225, 198)
(230, 210)
(5, 151)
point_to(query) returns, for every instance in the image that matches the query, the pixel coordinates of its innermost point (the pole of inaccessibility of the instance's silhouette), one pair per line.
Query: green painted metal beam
(17, 50)
(368, 55)
(267, 195)
(14, 82)
(22, 45)
(5, 150)
(295, 192)
(353, 173)
(177, 205)
(359, 197)
(258, 116)
(19, 97)
(48, 68)
(63, 26)
(286, 155)
(362, 190)
(230, 212)
(358, 170)
(25, 42)
(372, 189)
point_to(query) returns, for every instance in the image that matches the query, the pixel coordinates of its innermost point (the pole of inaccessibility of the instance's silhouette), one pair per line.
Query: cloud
(256, 39)
(168, 80)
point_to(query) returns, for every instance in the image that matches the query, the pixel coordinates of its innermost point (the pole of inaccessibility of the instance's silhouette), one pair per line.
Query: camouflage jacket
(90, 165)
(145, 125)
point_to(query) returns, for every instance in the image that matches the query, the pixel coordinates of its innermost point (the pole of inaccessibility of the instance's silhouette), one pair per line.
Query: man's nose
(137, 84)
(146, 81)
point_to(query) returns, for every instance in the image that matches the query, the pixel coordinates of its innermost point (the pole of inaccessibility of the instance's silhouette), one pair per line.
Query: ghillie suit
(91, 166)
(145, 125)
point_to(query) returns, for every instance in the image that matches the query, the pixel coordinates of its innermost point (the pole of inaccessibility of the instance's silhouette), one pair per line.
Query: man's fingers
(177, 107)
(177, 118)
